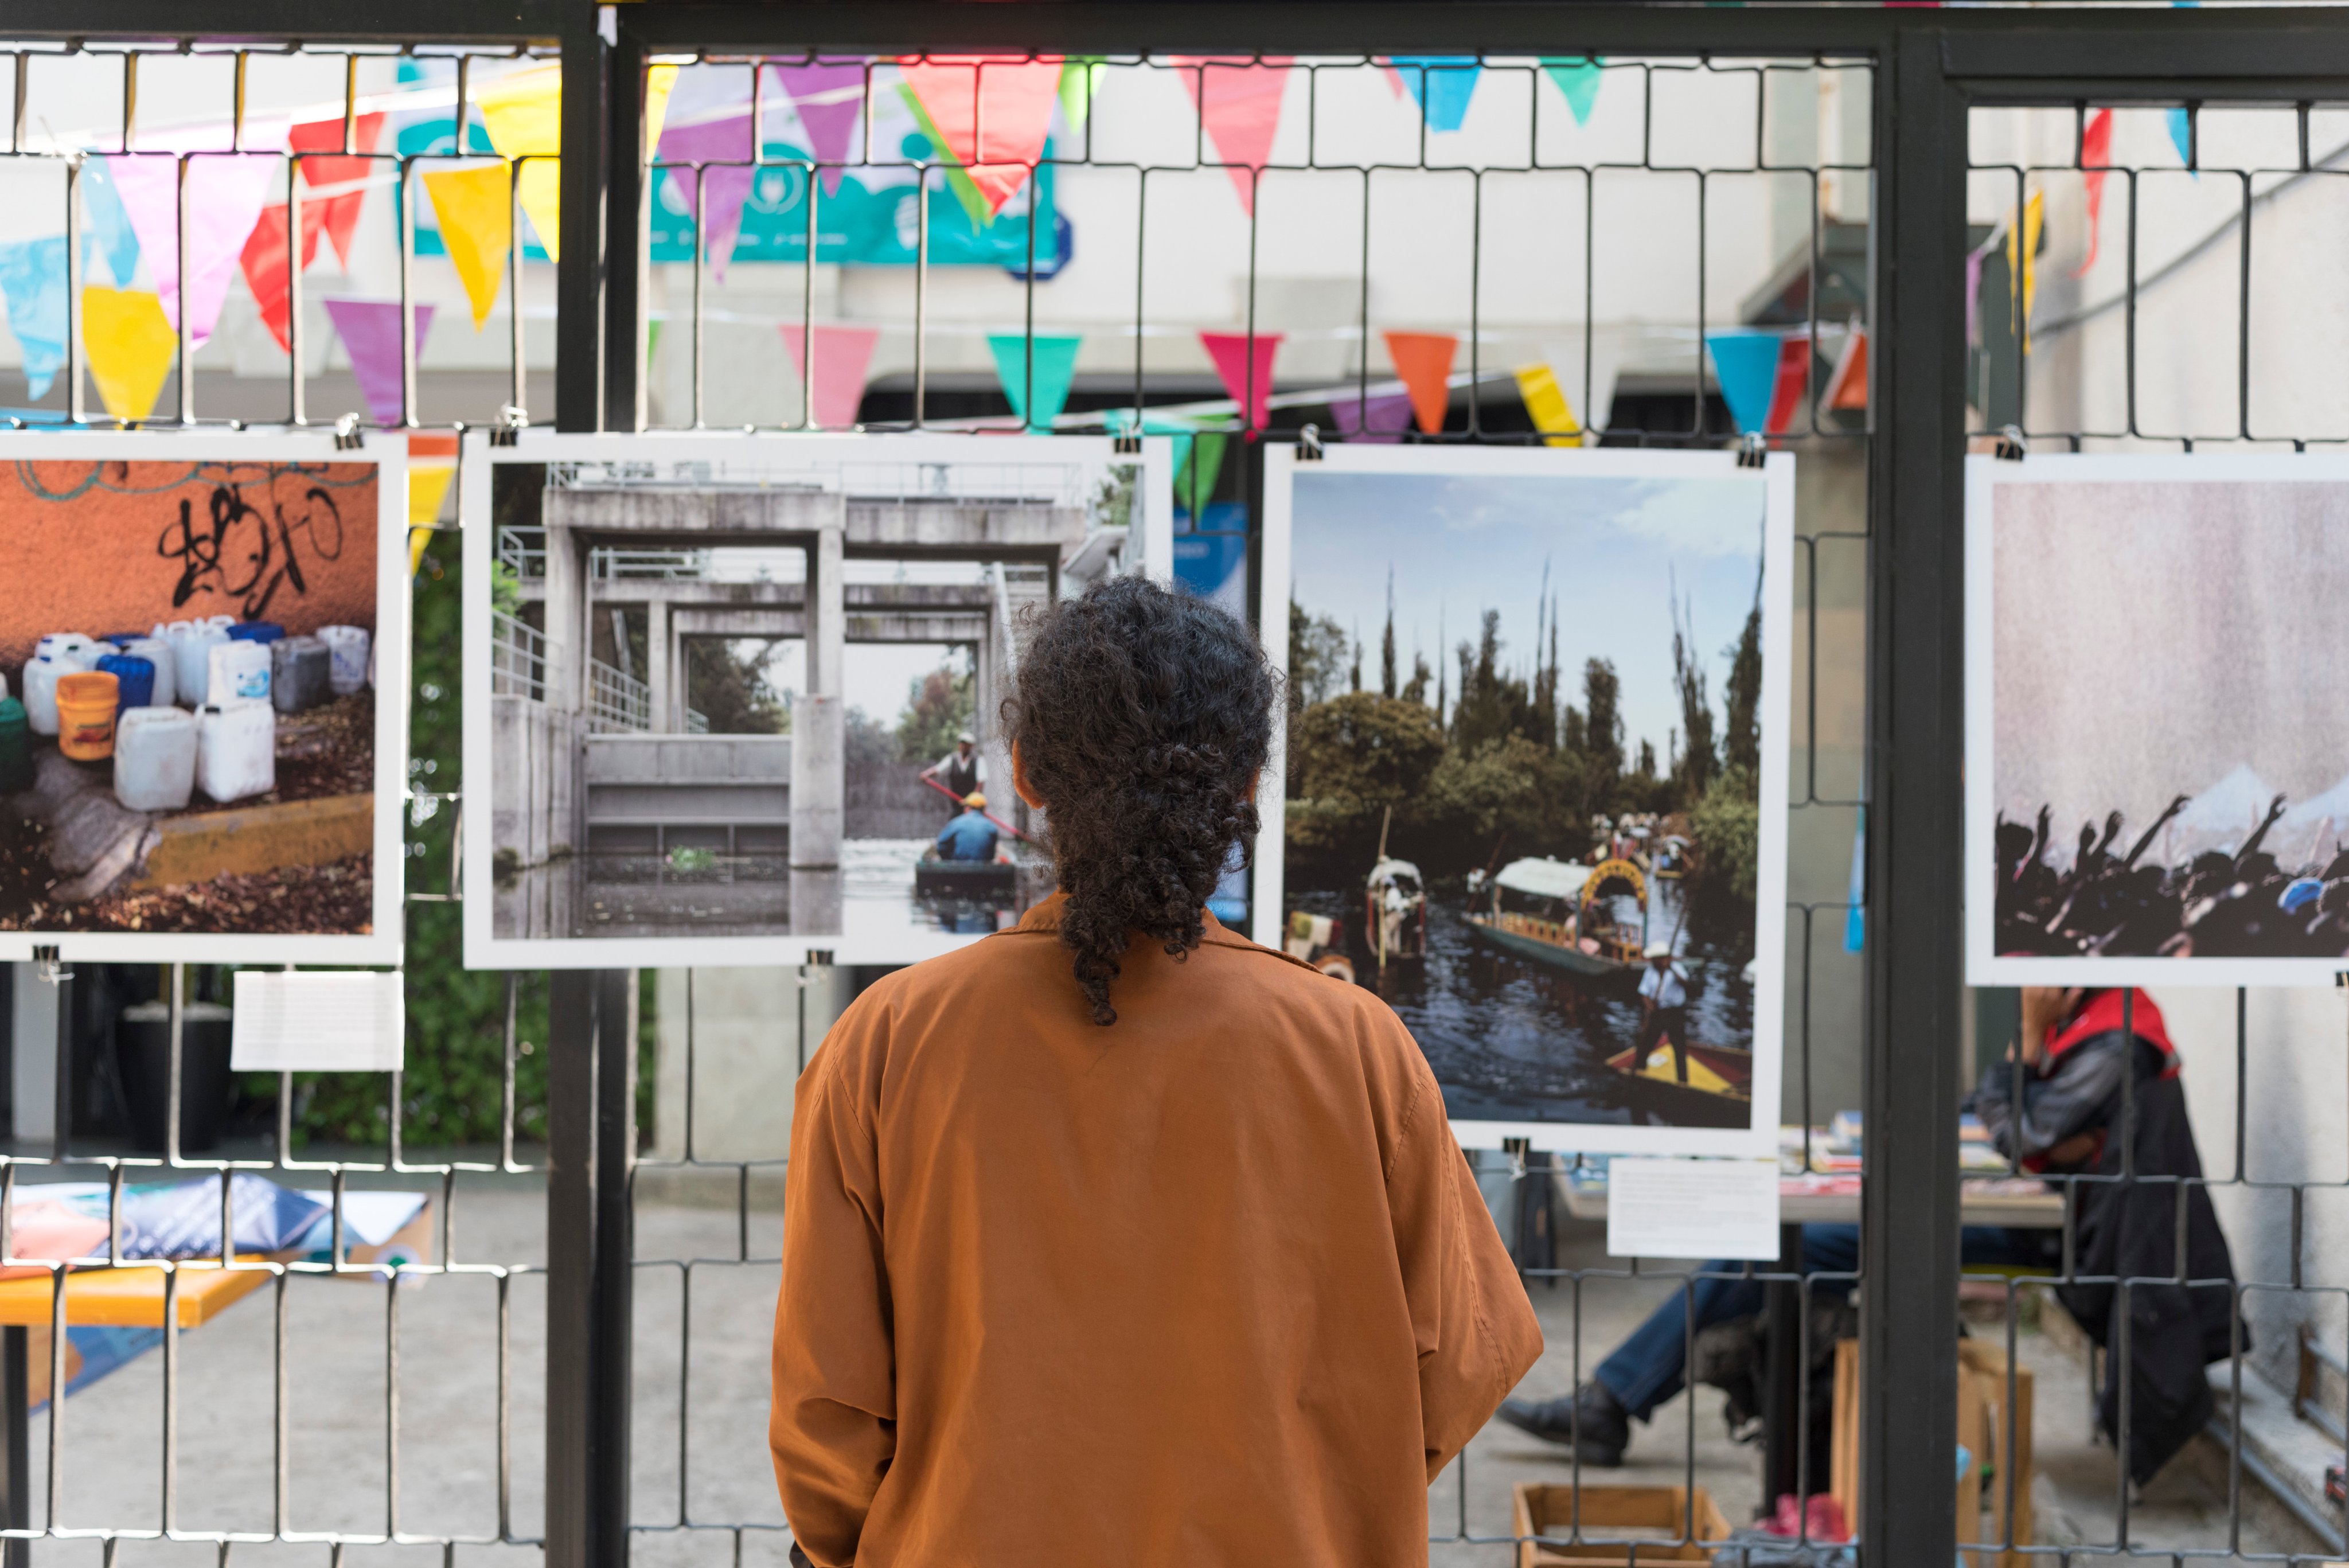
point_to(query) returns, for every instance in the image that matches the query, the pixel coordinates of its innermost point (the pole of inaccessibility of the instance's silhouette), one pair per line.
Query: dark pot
(142, 1046)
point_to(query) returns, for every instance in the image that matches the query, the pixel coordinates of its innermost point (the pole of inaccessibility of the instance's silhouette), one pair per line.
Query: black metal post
(1784, 1431)
(579, 264)
(624, 185)
(591, 1139)
(1908, 1211)
(15, 1465)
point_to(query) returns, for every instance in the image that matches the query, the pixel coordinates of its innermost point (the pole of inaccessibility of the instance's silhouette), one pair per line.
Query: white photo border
(1985, 477)
(388, 451)
(484, 949)
(1760, 1138)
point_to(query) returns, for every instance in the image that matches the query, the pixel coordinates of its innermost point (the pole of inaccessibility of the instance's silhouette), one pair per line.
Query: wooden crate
(1644, 1513)
(1983, 1426)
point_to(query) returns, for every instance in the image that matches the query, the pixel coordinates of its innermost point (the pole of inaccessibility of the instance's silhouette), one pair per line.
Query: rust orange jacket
(1210, 1286)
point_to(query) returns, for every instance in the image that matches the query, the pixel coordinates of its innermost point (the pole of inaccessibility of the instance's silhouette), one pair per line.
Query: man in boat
(962, 769)
(2056, 1106)
(970, 836)
(1663, 1007)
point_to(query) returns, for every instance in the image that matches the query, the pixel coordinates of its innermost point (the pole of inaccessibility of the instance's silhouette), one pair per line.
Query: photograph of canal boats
(2157, 793)
(1534, 787)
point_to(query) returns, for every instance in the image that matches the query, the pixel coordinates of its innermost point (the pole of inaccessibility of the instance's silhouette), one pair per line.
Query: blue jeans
(1651, 1367)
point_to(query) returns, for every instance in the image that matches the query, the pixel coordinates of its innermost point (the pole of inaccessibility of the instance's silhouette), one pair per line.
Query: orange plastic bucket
(85, 704)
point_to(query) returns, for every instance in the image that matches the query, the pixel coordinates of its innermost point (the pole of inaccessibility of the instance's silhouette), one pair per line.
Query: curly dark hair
(1143, 715)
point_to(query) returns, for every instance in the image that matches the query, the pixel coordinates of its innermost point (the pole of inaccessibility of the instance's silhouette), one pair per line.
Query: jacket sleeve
(833, 1425)
(1475, 1331)
(2064, 1104)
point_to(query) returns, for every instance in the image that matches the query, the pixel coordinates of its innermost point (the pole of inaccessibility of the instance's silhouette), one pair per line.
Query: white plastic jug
(192, 646)
(155, 651)
(62, 644)
(221, 621)
(349, 644)
(154, 758)
(41, 677)
(236, 749)
(240, 671)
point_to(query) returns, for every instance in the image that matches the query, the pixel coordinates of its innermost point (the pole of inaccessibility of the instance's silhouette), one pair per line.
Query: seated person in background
(970, 836)
(2068, 1067)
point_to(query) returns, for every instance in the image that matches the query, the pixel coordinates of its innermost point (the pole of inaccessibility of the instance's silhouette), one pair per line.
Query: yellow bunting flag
(476, 212)
(523, 115)
(1547, 406)
(132, 348)
(2026, 267)
(427, 485)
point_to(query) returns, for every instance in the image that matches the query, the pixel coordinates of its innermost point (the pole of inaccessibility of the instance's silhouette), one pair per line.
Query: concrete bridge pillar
(660, 671)
(819, 716)
(566, 619)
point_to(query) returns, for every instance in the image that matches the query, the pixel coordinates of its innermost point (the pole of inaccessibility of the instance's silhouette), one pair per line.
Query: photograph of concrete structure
(731, 700)
(1534, 776)
(2157, 792)
(203, 653)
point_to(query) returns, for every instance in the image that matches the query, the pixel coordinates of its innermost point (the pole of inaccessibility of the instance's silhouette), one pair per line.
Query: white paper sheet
(1692, 1209)
(333, 1021)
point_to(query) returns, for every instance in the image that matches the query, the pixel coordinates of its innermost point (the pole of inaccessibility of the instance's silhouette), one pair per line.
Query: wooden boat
(1716, 1073)
(1318, 940)
(969, 881)
(1671, 857)
(1556, 912)
(1394, 912)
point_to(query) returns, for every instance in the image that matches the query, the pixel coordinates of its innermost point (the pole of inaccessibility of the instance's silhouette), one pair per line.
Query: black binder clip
(1752, 452)
(511, 421)
(347, 434)
(2010, 447)
(1308, 444)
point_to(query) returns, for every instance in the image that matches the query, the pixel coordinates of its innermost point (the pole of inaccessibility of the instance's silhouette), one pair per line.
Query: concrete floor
(688, 1241)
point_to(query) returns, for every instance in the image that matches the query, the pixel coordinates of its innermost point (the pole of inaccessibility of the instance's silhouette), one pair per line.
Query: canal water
(1515, 1039)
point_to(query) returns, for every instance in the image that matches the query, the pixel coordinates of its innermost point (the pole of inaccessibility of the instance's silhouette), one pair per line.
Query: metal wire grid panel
(1708, 153)
(2160, 235)
(255, 1434)
(360, 118)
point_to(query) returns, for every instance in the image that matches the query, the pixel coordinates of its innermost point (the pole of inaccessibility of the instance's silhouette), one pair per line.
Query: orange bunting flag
(1239, 102)
(344, 176)
(992, 113)
(265, 261)
(2095, 155)
(1424, 361)
(1847, 382)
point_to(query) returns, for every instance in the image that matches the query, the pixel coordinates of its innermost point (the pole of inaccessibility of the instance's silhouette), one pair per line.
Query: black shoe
(1597, 1427)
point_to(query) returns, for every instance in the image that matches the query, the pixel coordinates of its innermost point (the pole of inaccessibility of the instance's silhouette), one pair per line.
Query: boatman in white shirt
(1663, 1007)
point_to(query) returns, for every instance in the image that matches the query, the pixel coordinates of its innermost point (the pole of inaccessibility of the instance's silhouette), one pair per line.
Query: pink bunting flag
(993, 113)
(1246, 366)
(1380, 417)
(369, 329)
(225, 195)
(1239, 102)
(723, 144)
(828, 96)
(842, 356)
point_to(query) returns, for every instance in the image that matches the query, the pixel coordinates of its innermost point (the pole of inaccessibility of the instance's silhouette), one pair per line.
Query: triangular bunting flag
(1578, 79)
(990, 115)
(1380, 417)
(1239, 102)
(1195, 483)
(1442, 84)
(369, 329)
(428, 486)
(1394, 76)
(264, 263)
(1037, 381)
(1246, 366)
(1424, 360)
(339, 211)
(2095, 155)
(117, 241)
(130, 347)
(2027, 264)
(1791, 383)
(842, 354)
(2181, 135)
(1121, 421)
(475, 207)
(828, 96)
(723, 144)
(1745, 364)
(1080, 77)
(523, 115)
(1846, 385)
(33, 281)
(225, 193)
(1547, 406)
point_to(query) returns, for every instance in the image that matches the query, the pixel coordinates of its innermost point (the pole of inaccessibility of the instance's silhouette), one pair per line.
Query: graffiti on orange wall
(106, 547)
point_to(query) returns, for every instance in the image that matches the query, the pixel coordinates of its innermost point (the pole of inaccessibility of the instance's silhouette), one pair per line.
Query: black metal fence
(1883, 244)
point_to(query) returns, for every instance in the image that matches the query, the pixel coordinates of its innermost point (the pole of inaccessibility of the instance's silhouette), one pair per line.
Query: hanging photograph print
(2157, 782)
(1533, 783)
(731, 700)
(203, 641)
